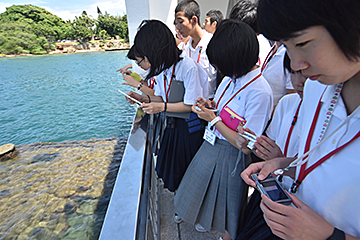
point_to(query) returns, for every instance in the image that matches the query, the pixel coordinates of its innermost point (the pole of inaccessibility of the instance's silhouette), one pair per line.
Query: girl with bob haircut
(209, 193)
(155, 50)
(323, 42)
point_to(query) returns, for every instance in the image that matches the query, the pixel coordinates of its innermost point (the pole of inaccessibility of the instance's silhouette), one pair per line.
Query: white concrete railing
(132, 213)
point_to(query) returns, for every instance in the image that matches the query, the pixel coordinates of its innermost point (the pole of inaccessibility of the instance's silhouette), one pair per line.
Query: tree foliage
(31, 29)
(113, 25)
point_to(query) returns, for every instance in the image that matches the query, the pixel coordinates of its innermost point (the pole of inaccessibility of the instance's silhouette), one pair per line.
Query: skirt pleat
(209, 193)
(177, 149)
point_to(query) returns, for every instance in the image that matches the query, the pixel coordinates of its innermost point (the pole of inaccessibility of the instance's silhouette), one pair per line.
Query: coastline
(62, 52)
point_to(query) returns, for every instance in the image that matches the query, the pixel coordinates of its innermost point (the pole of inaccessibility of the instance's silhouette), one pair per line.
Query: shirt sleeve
(257, 112)
(193, 86)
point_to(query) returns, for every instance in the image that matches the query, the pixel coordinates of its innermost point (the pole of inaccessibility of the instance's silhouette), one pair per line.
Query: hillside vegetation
(30, 29)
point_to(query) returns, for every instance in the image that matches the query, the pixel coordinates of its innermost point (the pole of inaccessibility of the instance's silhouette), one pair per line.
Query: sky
(67, 9)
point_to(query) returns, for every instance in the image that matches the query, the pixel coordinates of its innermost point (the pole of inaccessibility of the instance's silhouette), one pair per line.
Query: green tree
(83, 26)
(17, 37)
(103, 34)
(30, 29)
(113, 25)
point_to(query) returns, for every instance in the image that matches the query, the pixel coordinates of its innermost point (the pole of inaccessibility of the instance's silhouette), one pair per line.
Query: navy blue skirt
(255, 227)
(177, 149)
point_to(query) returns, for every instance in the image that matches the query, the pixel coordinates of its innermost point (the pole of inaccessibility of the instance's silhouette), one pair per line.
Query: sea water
(59, 184)
(54, 98)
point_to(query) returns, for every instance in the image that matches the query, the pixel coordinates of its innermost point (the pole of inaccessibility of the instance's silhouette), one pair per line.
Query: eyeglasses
(138, 63)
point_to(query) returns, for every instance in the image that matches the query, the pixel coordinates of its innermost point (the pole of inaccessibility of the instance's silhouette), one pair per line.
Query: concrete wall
(138, 10)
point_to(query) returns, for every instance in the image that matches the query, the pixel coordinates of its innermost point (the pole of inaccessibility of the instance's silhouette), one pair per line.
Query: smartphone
(271, 187)
(131, 98)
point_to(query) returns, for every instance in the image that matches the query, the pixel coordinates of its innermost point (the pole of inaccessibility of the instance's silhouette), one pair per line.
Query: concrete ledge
(121, 216)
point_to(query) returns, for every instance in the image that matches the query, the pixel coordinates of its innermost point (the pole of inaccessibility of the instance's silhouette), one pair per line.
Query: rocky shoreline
(75, 47)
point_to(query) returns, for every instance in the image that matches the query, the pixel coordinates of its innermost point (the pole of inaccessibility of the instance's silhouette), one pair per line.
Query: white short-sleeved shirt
(331, 189)
(280, 125)
(274, 73)
(194, 53)
(195, 81)
(264, 48)
(254, 103)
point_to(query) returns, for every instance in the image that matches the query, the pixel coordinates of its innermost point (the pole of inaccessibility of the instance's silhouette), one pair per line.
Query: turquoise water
(55, 98)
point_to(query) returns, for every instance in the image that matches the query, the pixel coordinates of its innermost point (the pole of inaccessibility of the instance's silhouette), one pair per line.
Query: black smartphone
(271, 187)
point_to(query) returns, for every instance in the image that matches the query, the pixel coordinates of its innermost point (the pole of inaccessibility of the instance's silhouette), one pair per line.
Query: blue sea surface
(54, 98)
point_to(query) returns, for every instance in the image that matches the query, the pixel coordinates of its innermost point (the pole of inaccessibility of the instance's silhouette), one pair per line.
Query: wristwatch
(214, 121)
(140, 86)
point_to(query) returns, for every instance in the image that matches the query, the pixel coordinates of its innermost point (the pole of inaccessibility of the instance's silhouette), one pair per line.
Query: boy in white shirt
(187, 14)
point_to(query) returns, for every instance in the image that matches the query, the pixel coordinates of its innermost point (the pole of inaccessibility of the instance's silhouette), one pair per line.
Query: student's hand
(136, 96)
(264, 169)
(267, 149)
(129, 80)
(153, 107)
(241, 142)
(289, 222)
(205, 103)
(125, 69)
(204, 113)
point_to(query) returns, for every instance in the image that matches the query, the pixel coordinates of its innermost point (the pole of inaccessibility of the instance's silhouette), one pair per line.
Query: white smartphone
(131, 98)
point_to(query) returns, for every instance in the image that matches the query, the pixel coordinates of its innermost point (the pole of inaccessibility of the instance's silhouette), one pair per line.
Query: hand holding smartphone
(271, 187)
(131, 98)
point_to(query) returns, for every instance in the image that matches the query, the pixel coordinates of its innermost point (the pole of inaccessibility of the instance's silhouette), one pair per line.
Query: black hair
(234, 49)
(215, 16)
(155, 41)
(281, 19)
(287, 64)
(190, 8)
(245, 11)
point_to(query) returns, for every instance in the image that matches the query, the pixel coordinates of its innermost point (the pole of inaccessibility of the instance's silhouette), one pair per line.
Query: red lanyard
(151, 83)
(269, 56)
(198, 56)
(226, 88)
(303, 171)
(172, 75)
(291, 129)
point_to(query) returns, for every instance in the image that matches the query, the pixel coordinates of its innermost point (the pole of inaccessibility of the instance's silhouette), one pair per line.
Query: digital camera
(271, 187)
(251, 140)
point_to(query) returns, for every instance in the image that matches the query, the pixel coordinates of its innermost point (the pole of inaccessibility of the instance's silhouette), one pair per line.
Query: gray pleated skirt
(212, 192)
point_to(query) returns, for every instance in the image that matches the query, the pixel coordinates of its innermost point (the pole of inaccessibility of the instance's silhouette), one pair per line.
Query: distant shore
(60, 52)
(70, 49)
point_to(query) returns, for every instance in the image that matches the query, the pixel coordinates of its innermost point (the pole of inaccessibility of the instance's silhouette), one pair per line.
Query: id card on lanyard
(209, 134)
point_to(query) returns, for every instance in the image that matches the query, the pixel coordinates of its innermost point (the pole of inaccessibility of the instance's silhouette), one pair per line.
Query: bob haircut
(155, 41)
(245, 11)
(280, 19)
(190, 8)
(234, 49)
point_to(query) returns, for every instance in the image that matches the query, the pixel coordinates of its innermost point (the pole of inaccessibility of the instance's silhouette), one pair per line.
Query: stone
(7, 151)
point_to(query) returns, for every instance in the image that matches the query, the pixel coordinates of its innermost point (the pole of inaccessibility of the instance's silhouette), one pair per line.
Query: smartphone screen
(274, 190)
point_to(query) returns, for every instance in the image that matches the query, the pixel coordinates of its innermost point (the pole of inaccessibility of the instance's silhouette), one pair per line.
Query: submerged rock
(7, 151)
(52, 187)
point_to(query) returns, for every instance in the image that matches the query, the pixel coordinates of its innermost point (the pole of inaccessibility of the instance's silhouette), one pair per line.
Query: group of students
(216, 87)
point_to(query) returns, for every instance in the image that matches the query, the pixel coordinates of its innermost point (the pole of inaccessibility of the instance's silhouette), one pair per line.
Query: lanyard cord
(152, 83)
(226, 88)
(198, 56)
(303, 171)
(172, 76)
(291, 129)
(269, 56)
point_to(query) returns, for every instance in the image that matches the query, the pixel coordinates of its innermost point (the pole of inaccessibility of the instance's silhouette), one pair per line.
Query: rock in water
(7, 151)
